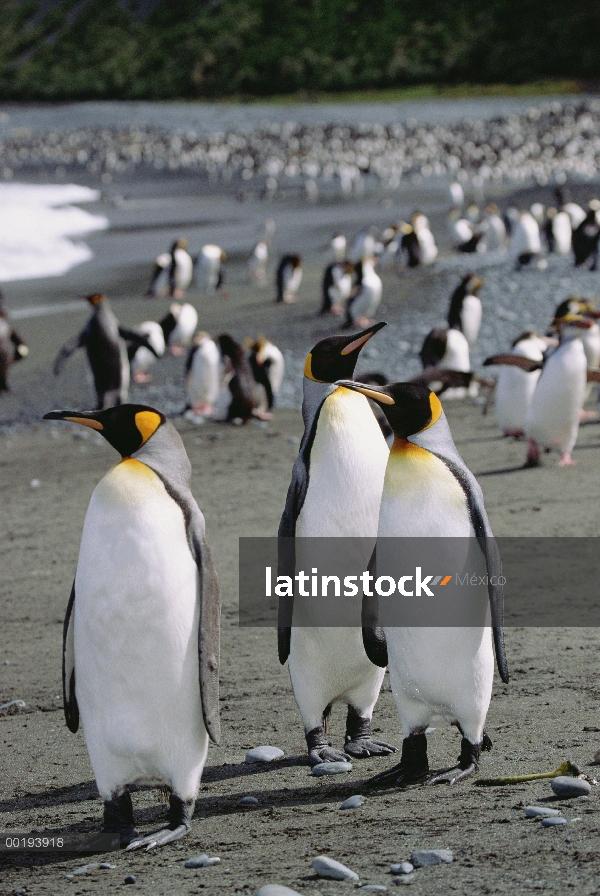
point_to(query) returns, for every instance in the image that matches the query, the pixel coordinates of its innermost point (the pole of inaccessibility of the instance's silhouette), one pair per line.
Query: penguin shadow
(227, 772)
(53, 796)
(503, 471)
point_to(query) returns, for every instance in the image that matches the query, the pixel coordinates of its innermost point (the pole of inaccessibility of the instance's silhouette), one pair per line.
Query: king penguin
(141, 633)
(436, 673)
(335, 491)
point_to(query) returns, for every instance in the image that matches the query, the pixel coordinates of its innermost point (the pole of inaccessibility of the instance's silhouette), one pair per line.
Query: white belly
(470, 318)
(203, 380)
(436, 673)
(136, 631)
(347, 468)
(553, 418)
(514, 393)
(185, 327)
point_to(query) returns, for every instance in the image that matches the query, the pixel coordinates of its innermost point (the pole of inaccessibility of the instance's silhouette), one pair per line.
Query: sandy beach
(546, 714)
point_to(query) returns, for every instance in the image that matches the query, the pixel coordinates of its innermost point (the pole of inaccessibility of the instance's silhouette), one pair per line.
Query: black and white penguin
(586, 239)
(410, 247)
(140, 357)
(210, 274)
(464, 312)
(362, 307)
(178, 326)
(244, 398)
(437, 674)
(104, 342)
(338, 281)
(268, 367)
(429, 250)
(12, 347)
(515, 387)
(141, 633)
(335, 491)
(288, 278)
(526, 245)
(203, 370)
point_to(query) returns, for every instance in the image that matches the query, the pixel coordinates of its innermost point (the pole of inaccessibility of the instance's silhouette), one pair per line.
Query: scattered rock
(353, 802)
(130, 879)
(106, 866)
(331, 768)
(376, 888)
(248, 801)
(597, 757)
(326, 867)
(85, 869)
(402, 868)
(202, 861)
(35, 483)
(554, 821)
(20, 703)
(407, 879)
(540, 812)
(565, 787)
(275, 890)
(264, 754)
(423, 858)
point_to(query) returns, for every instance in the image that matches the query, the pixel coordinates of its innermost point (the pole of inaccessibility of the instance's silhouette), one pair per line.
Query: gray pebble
(552, 822)
(275, 890)
(331, 768)
(85, 869)
(248, 801)
(407, 879)
(201, 861)
(353, 802)
(130, 879)
(378, 888)
(326, 867)
(106, 866)
(540, 812)
(402, 868)
(566, 787)
(264, 754)
(422, 858)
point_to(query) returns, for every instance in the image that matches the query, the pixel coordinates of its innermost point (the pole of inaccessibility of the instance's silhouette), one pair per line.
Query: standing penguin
(140, 357)
(211, 275)
(268, 367)
(337, 287)
(429, 250)
(243, 400)
(436, 673)
(526, 245)
(12, 347)
(181, 269)
(141, 634)
(464, 313)
(103, 340)
(515, 387)
(363, 305)
(288, 278)
(178, 326)
(335, 491)
(202, 377)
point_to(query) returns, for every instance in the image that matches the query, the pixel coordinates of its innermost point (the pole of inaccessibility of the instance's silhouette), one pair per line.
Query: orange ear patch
(147, 423)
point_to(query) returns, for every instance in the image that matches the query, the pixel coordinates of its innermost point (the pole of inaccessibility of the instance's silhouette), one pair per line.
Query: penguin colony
(145, 585)
(553, 140)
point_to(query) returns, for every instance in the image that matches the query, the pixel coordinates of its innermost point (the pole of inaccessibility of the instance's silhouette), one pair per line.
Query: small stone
(130, 879)
(554, 821)
(566, 787)
(402, 868)
(331, 768)
(353, 802)
(540, 812)
(377, 888)
(407, 879)
(326, 867)
(248, 801)
(202, 861)
(264, 754)
(35, 483)
(275, 890)
(106, 866)
(423, 858)
(85, 869)
(597, 757)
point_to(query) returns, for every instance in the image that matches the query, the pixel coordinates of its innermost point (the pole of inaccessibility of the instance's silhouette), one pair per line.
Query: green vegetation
(313, 49)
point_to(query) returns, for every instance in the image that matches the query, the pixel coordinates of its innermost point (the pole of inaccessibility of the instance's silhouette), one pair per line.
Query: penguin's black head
(409, 407)
(126, 427)
(335, 358)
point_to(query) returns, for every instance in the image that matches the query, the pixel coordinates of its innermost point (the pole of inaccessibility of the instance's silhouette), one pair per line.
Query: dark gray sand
(546, 714)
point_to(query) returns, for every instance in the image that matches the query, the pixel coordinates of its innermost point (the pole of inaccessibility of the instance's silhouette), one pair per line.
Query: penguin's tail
(501, 653)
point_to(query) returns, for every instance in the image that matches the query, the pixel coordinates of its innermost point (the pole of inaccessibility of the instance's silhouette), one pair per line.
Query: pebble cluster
(553, 141)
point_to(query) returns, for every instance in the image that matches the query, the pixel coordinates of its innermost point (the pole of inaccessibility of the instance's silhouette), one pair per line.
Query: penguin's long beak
(374, 394)
(86, 418)
(355, 343)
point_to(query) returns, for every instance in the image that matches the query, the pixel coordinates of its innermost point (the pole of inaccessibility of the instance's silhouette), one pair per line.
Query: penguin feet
(468, 762)
(320, 749)
(180, 822)
(359, 742)
(566, 460)
(413, 767)
(533, 455)
(118, 818)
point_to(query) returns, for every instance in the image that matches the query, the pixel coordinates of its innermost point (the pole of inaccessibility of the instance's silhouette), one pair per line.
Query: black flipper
(286, 563)
(373, 634)
(68, 668)
(508, 360)
(488, 545)
(209, 597)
